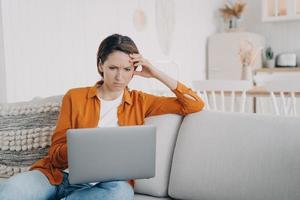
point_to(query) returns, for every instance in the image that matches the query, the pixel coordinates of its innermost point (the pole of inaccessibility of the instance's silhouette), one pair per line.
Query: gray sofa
(224, 156)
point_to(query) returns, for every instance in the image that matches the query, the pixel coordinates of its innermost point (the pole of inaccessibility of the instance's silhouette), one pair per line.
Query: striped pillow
(25, 133)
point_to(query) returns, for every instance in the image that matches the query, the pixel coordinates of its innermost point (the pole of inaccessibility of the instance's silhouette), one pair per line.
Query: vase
(270, 63)
(233, 24)
(247, 73)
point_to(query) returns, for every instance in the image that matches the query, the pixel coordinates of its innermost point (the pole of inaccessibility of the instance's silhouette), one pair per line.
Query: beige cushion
(25, 132)
(232, 156)
(167, 128)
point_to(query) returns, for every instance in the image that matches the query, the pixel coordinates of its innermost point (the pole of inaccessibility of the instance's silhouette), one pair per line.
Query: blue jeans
(34, 185)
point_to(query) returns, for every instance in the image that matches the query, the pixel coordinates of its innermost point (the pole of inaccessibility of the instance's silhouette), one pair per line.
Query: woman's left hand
(148, 71)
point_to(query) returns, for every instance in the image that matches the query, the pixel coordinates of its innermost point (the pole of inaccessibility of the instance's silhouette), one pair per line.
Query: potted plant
(270, 61)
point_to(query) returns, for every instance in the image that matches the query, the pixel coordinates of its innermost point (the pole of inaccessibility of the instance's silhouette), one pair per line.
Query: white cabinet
(223, 54)
(280, 10)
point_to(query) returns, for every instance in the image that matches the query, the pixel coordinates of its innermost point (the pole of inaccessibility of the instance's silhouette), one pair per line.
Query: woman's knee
(28, 185)
(119, 190)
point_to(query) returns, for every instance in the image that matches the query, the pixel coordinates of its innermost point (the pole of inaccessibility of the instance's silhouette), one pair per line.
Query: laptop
(111, 153)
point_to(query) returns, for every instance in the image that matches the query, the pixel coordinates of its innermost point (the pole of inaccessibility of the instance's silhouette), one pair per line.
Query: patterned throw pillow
(25, 133)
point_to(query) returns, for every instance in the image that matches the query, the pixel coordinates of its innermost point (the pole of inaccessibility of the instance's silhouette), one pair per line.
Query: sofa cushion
(166, 134)
(146, 197)
(232, 156)
(25, 133)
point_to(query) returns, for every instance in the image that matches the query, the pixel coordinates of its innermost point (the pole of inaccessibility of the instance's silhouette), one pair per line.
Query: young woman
(108, 103)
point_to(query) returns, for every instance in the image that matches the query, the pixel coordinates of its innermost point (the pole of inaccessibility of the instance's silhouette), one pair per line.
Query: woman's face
(117, 70)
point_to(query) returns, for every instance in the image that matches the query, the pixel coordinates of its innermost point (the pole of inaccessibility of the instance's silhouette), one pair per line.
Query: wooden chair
(282, 93)
(215, 94)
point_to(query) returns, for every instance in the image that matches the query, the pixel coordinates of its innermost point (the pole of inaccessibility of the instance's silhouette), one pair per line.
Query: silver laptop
(111, 153)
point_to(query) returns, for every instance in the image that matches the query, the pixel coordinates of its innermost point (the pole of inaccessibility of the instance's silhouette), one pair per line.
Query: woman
(108, 103)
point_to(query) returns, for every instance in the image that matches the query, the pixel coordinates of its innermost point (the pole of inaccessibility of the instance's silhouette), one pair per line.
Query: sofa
(204, 156)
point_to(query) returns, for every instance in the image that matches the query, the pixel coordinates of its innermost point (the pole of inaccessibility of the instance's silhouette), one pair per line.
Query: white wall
(2, 63)
(282, 36)
(50, 45)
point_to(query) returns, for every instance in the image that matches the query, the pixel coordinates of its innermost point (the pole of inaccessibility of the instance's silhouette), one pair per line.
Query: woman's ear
(100, 67)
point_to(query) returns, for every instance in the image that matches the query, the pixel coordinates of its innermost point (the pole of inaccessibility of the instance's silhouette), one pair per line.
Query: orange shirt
(81, 107)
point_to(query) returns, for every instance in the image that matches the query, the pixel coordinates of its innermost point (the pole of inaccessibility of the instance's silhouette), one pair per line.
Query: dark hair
(115, 42)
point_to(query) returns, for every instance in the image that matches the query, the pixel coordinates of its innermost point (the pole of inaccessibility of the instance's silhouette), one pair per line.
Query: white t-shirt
(109, 112)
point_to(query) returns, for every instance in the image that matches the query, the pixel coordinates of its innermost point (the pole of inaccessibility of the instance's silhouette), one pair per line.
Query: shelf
(278, 69)
(281, 18)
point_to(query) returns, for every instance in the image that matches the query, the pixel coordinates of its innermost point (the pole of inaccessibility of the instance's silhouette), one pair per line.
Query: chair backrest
(283, 95)
(214, 91)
